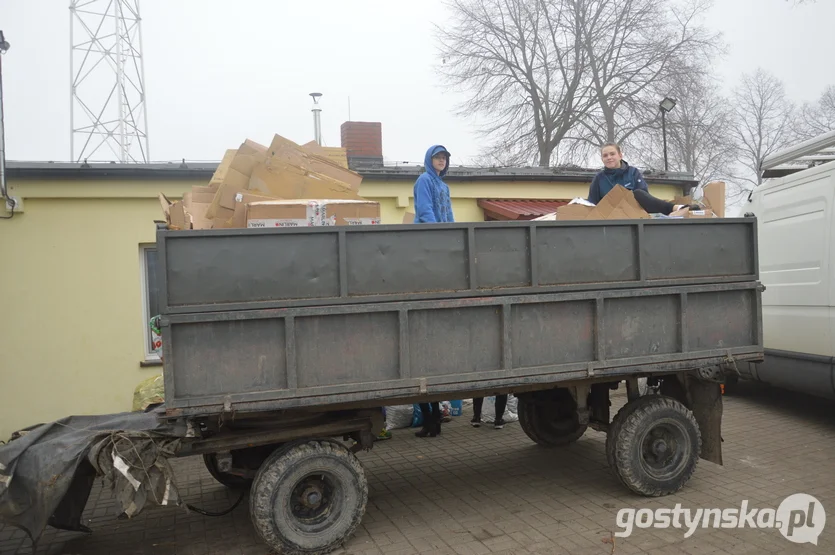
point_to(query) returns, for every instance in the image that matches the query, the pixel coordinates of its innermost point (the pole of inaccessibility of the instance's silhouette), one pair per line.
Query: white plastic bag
(488, 409)
(399, 416)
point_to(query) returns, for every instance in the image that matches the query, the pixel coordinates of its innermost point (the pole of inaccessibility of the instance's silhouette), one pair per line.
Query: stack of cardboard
(283, 185)
(713, 200)
(620, 204)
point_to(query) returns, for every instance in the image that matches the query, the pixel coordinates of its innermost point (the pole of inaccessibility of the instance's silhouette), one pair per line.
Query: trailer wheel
(551, 421)
(653, 445)
(308, 498)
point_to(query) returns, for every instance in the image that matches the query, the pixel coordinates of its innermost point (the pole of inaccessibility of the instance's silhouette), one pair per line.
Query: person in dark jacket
(615, 172)
(432, 205)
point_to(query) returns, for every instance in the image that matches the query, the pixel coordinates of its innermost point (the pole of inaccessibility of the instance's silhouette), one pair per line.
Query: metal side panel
(295, 357)
(251, 269)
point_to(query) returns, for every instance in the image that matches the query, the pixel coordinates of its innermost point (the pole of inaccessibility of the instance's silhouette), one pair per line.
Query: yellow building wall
(72, 326)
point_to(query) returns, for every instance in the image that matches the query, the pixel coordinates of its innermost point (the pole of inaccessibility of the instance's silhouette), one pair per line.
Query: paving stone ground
(485, 491)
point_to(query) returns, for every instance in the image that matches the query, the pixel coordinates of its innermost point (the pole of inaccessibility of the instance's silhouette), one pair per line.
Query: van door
(796, 240)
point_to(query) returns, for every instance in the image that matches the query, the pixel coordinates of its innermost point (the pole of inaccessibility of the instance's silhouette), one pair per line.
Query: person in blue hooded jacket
(615, 172)
(432, 202)
(432, 205)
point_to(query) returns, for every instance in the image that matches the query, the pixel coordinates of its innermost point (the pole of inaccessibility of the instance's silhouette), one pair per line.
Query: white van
(796, 240)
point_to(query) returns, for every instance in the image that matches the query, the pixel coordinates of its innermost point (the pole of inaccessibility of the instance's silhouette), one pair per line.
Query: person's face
(611, 157)
(439, 162)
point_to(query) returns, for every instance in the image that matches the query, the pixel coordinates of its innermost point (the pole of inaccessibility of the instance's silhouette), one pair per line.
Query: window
(150, 300)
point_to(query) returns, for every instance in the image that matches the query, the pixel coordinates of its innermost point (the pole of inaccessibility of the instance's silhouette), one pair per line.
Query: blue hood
(432, 202)
(427, 161)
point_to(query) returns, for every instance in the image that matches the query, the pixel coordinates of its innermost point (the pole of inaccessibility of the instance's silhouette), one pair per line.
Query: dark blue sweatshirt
(432, 202)
(607, 179)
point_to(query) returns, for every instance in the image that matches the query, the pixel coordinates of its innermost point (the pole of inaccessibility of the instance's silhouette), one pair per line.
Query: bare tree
(698, 132)
(762, 122)
(634, 49)
(818, 118)
(520, 63)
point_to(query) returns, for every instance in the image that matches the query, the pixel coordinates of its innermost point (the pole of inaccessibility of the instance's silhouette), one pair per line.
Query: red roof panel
(519, 209)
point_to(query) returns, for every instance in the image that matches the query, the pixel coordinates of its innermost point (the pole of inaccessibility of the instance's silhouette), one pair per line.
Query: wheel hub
(659, 447)
(312, 497)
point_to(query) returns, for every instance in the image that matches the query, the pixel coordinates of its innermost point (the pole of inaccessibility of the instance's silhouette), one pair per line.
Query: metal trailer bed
(275, 339)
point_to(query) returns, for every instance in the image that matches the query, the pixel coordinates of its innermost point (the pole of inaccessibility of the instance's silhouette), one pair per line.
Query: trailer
(281, 344)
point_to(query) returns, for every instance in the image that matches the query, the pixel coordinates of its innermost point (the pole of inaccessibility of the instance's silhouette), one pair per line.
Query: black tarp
(47, 472)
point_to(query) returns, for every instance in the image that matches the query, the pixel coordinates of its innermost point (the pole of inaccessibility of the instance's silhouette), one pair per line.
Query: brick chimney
(363, 142)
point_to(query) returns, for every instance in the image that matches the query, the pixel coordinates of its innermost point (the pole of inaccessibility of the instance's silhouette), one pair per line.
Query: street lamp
(666, 105)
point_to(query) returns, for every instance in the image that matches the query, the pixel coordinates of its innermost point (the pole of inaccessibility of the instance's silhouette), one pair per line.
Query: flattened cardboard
(292, 182)
(223, 202)
(573, 212)
(198, 216)
(175, 213)
(234, 178)
(285, 152)
(223, 167)
(249, 155)
(714, 197)
(196, 211)
(618, 204)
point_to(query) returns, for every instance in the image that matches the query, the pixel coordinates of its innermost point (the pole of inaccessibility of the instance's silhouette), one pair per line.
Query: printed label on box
(362, 221)
(278, 223)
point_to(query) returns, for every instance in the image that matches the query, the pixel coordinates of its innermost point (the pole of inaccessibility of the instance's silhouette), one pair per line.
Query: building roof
(204, 170)
(470, 173)
(519, 209)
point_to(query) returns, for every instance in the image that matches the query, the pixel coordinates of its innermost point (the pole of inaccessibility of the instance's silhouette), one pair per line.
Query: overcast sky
(218, 72)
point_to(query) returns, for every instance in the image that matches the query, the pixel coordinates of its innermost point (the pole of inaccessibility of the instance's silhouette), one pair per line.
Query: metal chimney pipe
(317, 118)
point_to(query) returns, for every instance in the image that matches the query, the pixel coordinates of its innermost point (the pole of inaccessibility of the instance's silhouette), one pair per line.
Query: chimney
(363, 142)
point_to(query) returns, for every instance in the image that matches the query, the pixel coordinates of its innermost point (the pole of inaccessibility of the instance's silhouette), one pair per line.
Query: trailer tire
(552, 422)
(653, 445)
(308, 497)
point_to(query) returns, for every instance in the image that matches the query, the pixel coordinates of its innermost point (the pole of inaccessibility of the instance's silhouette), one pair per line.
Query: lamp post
(665, 105)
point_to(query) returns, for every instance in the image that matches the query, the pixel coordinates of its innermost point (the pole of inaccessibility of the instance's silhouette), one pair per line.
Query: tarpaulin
(47, 471)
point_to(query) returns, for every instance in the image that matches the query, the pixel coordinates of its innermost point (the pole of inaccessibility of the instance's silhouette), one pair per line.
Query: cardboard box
(689, 214)
(308, 213)
(618, 204)
(175, 213)
(408, 217)
(714, 197)
(235, 217)
(225, 199)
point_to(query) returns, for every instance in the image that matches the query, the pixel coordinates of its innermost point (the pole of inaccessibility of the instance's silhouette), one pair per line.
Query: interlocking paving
(485, 491)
